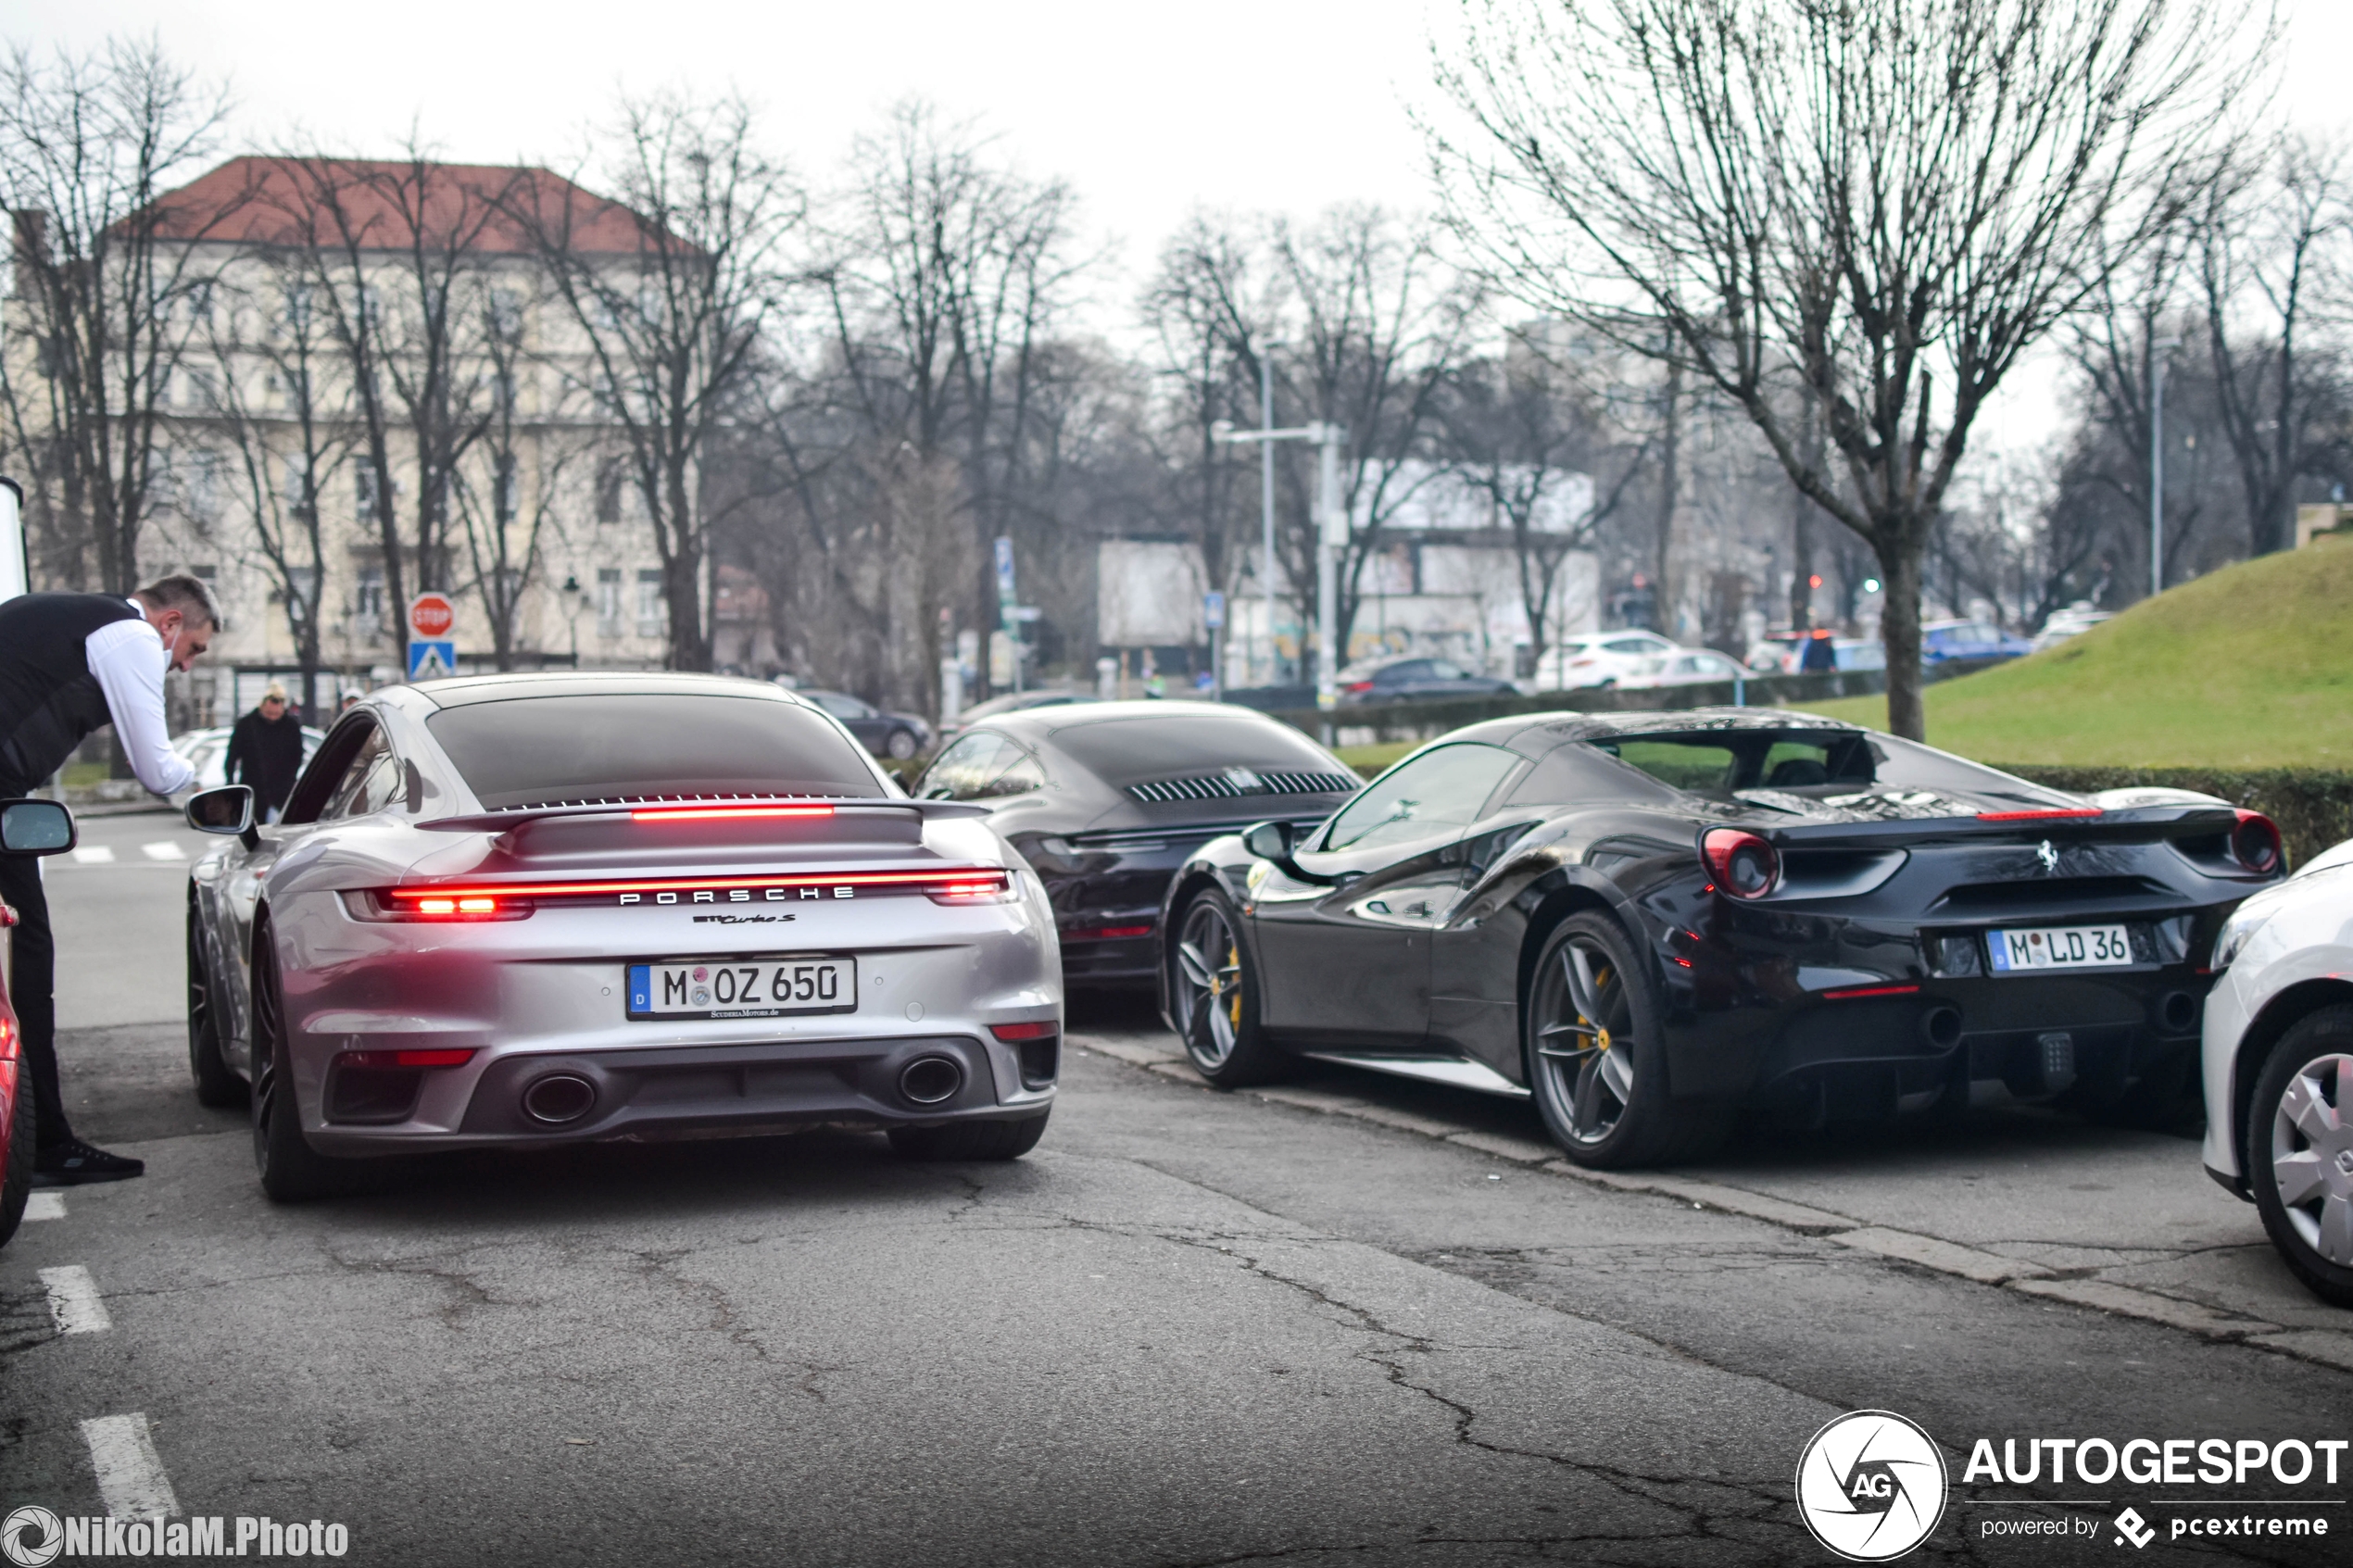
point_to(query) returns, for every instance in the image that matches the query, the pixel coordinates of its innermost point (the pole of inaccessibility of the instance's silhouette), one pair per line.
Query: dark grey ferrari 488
(1656, 923)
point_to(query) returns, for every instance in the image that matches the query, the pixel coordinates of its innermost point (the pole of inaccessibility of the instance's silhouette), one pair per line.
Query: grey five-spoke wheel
(1213, 990)
(2299, 1150)
(1596, 1055)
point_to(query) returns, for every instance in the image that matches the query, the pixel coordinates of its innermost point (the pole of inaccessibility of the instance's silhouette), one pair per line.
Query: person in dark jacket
(265, 751)
(70, 664)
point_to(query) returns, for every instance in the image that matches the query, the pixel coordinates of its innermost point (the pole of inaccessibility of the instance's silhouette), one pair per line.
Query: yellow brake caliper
(1234, 1007)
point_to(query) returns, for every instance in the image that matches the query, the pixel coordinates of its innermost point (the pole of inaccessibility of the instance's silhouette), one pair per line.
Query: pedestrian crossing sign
(431, 659)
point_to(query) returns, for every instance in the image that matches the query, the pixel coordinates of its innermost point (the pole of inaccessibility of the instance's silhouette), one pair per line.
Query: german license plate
(769, 987)
(2022, 951)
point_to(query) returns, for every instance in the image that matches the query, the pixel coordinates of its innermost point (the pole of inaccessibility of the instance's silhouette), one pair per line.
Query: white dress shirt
(128, 659)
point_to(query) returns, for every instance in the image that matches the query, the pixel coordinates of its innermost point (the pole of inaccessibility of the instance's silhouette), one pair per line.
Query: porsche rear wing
(703, 809)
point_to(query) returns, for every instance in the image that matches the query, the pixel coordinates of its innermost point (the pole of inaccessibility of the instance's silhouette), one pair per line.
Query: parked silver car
(521, 910)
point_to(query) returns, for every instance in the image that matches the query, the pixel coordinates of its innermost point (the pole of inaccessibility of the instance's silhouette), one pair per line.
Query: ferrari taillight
(452, 1057)
(1743, 864)
(2255, 843)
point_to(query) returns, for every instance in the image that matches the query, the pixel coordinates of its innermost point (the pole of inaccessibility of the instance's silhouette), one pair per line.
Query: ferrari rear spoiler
(2130, 824)
(703, 809)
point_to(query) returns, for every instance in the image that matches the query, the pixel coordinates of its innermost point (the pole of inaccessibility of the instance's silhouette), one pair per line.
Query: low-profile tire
(971, 1140)
(899, 745)
(1595, 1054)
(1213, 982)
(2298, 1150)
(216, 1083)
(291, 1171)
(15, 1180)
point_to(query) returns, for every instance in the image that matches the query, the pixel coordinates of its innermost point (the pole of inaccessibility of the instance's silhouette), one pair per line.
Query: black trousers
(30, 986)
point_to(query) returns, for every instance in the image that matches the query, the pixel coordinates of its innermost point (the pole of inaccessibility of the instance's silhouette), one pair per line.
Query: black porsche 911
(1656, 923)
(1105, 800)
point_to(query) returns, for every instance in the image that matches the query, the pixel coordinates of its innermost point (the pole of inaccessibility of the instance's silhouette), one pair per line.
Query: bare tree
(945, 275)
(1521, 434)
(1854, 201)
(286, 438)
(2270, 249)
(506, 499)
(671, 285)
(90, 146)
(395, 257)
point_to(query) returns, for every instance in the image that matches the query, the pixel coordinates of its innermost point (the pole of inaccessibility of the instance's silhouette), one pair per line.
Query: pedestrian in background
(265, 751)
(70, 664)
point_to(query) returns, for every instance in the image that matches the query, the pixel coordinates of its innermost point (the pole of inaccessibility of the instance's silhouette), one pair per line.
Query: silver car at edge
(2279, 1067)
(528, 909)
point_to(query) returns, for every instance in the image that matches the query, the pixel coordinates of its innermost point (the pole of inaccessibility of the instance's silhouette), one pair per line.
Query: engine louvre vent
(1237, 782)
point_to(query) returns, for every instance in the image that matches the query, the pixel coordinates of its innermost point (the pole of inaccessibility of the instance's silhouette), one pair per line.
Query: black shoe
(73, 1161)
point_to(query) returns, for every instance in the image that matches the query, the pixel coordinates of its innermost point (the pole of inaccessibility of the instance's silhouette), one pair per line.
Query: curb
(2328, 1347)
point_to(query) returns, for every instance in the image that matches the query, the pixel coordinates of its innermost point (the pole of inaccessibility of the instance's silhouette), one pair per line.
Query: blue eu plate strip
(641, 987)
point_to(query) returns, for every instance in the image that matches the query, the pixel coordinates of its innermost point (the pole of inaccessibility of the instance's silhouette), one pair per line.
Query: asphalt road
(1348, 1319)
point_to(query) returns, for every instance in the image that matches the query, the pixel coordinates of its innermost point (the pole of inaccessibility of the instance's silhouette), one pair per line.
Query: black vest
(49, 698)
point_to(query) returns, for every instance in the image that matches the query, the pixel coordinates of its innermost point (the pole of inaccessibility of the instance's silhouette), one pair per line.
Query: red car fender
(10, 1052)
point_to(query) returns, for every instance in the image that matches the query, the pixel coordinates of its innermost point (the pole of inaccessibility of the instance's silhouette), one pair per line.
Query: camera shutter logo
(31, 1537)
(1871, 1485)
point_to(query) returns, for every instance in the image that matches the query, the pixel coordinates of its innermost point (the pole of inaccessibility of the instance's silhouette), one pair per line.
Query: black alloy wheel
(1213, 980)
(1595, 1056)
(16, 1181)
(2298, 1151)
(971, 1140)
(292, 1172)
(216, 1083)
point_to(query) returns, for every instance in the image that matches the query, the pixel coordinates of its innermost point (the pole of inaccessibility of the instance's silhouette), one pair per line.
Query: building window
(368, 603)
(505, 500)
(367, 493)
(611, 475)
(608, 601)
(652, 619)
(302, 589)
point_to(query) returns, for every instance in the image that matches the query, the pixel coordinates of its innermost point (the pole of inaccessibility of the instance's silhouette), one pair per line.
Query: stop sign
(430, 617)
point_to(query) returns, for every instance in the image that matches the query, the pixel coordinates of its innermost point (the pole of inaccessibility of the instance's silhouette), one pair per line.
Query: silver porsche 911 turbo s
(527, 909)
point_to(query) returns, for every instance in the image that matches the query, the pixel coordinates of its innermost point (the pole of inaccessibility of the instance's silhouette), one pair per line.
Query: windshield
(1818, 763)
(534, 751)
(1129, 751)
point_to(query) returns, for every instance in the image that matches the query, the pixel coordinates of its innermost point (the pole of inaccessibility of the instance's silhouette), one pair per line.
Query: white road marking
(94, 855)
(131, 1475)
(163, 849)
(46, 1204)
(73, 1300)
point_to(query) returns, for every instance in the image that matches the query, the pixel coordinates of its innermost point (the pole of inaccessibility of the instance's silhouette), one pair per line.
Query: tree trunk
(1899, 565)
(1670, 483)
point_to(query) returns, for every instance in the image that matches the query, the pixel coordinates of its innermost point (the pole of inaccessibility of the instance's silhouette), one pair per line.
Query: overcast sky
(1149, 111)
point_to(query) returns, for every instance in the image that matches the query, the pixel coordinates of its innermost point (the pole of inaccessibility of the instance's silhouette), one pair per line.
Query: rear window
(1128, 751)
(1723, 762)
(532, 751)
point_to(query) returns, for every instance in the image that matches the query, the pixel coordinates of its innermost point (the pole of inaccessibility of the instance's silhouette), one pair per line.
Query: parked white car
(2072, 621)
(1685, 667)
(2279, 1067)
(1597, 658)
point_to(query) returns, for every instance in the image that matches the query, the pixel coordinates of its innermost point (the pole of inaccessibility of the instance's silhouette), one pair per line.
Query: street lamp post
(2157, 461)
(1331, 537)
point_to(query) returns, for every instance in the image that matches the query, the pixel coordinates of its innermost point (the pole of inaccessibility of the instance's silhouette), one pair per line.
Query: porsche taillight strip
(2055, 814)
(717, 813)
(965, 881)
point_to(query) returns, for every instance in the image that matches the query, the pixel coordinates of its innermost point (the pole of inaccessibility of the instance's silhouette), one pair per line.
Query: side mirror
(226, 810)
(1269, 841)
(35, 827)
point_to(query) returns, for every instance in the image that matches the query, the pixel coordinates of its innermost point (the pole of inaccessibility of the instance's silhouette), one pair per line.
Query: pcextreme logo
(1871, 1485)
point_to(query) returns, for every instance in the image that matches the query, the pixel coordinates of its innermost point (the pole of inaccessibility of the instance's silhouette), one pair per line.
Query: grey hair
(187, 595)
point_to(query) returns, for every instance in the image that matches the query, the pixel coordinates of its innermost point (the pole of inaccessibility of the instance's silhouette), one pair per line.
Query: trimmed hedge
(2313, 808)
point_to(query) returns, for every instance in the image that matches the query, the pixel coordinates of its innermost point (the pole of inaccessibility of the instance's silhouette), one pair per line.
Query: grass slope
(2248, 666)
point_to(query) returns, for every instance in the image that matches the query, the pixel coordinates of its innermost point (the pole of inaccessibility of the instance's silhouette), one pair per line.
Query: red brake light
(405, 1059)
(1849, 993)
(437, 904)
(1107, 932)
(713, 813)
(1043, 1030)
(972, 887)
(2256, 842)
(2055, 814)
(1360, 686)
(1743, 864)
